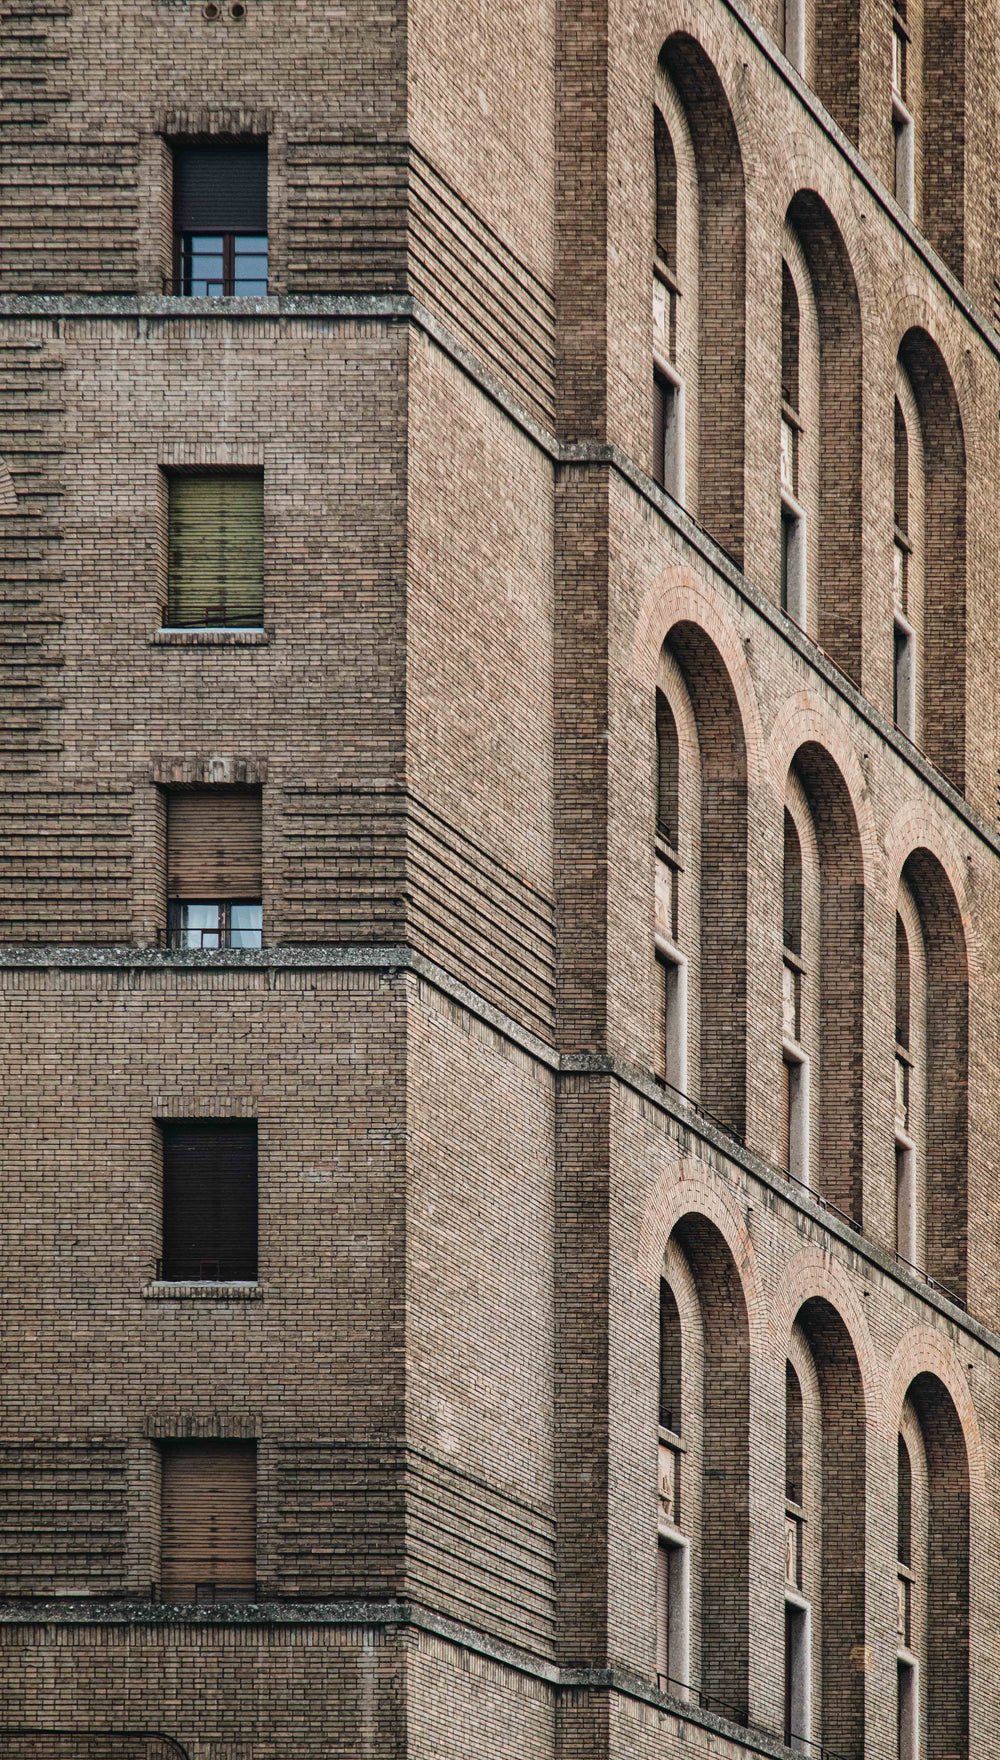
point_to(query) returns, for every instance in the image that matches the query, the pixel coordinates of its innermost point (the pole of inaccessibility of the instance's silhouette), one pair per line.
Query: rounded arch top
(827, 256)
(922, 1356)
(706, 104)
(805, 721)
(683, 1194)
(679, 597)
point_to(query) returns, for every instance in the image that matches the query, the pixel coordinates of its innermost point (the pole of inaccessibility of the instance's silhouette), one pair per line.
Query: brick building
(500, 877)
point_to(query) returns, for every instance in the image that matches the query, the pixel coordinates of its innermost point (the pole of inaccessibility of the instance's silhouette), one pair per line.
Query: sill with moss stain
(207, 1291)
(210, 636)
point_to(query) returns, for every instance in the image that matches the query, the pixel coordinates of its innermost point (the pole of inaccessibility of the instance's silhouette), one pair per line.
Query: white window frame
(675, 1021)
(678, 1624)
(674, 429)
(798, 1109)
(802, 1676)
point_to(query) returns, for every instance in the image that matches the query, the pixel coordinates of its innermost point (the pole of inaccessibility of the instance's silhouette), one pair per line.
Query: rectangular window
(798, 1666)
(906, 1203)
(793, 560)
(673, 1617)
(209, 1200)
(668, 432)
(904, 689)
(208, 1521)
(907, 1710)
(213, 867)
(220, 219)
(215, 550)
(794, 1124)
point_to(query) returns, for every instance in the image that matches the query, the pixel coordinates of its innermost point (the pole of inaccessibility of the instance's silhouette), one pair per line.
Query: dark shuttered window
(209, 1200)
(213, 867)
(208, 1521)
(215, 562)
(220, 219)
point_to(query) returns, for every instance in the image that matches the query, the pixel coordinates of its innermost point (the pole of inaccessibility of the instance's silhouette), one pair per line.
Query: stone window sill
(210, 638)
(202, 1292)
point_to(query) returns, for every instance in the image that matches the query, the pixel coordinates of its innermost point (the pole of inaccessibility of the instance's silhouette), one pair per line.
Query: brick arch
(944, 1075)
(838, 370)
(808, 718)
(679, 595)
(943, 551)
(8, 493)
(924, 1373)
(814, 1274)
(842, 1454)
(685, 1187)
(918, 826)
(725, 1490)
(721, 287)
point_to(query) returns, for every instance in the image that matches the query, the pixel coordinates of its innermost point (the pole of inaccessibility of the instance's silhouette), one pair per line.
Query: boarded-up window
(215, 536)
(209, 1200)
(208, 1521)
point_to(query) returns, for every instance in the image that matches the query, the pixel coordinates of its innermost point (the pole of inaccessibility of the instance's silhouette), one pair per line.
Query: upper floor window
(209, 1200)
(220, 219)
(902, 118)
(215, 550)
(213, 868)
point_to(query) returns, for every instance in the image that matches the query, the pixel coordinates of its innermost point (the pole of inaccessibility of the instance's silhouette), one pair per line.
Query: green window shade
(216, 551)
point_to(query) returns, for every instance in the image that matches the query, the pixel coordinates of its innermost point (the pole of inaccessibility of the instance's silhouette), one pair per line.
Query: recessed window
(213, 868)
(220, 219)
(209, 1200)
(673, 1616)
(215, 558)
(208, 1521)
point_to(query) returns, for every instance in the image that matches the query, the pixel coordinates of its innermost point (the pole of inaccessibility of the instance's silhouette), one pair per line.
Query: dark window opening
(209, 1200)
(904, 1504)
(793, 1436)
(220, 219)
(670, 1360)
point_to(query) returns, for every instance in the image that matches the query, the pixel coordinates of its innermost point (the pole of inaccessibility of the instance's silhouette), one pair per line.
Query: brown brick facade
(473, 1170)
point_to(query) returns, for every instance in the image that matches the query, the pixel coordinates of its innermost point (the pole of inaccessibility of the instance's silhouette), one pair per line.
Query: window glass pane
(200, 925)
(250, 265)
(245, 925)
(202, 265)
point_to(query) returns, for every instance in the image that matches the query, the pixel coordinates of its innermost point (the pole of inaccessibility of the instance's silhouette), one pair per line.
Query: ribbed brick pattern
(62, 1516)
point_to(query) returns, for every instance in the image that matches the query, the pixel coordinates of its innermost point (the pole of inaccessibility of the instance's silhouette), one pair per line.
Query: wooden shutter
(208, 1520)
(216, 550)
(213, 844)
(221, 188)
(210, 1199)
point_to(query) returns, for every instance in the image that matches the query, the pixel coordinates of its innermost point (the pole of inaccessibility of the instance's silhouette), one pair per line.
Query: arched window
(670, 1360)
(821, 438)
(672, 346)
(824, 1540)
(932, 1077)
(907, 559)
(793, 1436)
(929, 556)
(674, 910)
(699, 1035)
(932, 1575)
(911, 1001)
(793, 517)
(699, 303)
(703, 1538)
(822, 1017)
(798, 978)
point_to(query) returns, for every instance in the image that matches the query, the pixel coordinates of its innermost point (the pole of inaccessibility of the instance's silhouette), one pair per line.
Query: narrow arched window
(793, 519)
(667, 772)
(793, 1436)
(904, 690)
(668, 381)
(904, 1504)
(794, 1059)
(670, 1360)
